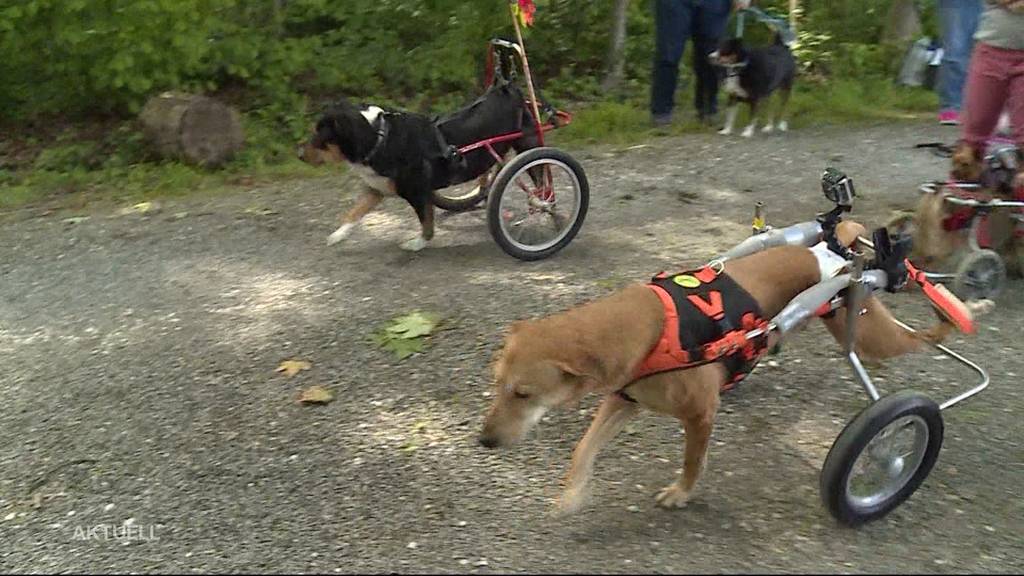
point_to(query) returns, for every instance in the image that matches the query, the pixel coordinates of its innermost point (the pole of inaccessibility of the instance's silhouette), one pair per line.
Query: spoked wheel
(461, 197)
(981, 274)
(881, 457)
(537, 203)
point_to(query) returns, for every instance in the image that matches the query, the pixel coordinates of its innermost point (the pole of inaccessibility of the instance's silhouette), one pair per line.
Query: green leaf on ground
(405, 335)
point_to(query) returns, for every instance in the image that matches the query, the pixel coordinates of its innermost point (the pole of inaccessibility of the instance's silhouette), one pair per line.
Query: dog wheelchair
(992, 226)
(887, 450)
(537, 201)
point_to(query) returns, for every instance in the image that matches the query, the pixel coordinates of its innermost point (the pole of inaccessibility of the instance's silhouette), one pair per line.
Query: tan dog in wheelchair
(595, 348)
(935, 246)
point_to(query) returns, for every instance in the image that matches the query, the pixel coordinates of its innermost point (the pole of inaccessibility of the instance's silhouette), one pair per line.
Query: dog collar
(382, 135)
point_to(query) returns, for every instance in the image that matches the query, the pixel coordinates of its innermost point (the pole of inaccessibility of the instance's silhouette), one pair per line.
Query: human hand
(744, 4)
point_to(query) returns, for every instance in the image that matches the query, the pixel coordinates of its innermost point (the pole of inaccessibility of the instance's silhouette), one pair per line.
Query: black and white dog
(411, 155)
(751, 76)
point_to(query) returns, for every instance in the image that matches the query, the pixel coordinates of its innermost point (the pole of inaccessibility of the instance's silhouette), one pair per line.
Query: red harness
(717, 314)
(960, 218)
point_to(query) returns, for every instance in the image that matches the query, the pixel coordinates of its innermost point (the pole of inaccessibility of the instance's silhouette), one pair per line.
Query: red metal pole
(526, 71)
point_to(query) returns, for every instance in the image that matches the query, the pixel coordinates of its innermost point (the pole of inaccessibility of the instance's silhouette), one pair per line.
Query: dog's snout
(489, 441)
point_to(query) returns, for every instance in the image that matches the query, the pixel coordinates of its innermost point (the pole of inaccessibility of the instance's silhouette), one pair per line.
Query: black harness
(380, 124)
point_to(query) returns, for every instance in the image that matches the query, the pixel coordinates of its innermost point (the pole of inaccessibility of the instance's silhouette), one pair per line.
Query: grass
(116, 169)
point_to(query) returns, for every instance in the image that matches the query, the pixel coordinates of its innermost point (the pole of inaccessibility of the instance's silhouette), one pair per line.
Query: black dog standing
(751, 76)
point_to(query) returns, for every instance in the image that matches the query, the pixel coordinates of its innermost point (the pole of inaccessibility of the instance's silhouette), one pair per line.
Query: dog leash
(777, 24)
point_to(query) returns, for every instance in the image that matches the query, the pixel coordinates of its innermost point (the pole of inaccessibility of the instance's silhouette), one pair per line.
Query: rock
(193, 128)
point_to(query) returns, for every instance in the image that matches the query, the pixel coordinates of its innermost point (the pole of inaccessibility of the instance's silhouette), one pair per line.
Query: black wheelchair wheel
(460, 198)
(537, 203)
(881, 457)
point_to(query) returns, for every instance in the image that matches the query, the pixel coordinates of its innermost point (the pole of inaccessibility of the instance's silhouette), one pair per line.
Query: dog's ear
(583, 364)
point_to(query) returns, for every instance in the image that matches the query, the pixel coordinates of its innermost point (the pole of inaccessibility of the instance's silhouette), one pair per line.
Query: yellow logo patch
(686, 281)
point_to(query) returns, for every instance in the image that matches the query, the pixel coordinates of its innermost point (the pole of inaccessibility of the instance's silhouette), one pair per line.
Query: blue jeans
(959, 21)
(677, 21)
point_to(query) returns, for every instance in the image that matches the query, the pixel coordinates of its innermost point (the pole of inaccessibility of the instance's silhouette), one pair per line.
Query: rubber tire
(462, 204)
(854, 439)
(960, 287)
(502, 181)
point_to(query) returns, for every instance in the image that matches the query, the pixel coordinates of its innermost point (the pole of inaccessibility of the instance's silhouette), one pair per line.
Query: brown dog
(556, 360)
(934, 245)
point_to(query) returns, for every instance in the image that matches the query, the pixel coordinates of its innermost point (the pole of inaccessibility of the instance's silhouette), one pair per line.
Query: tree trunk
(196, 129)
(902, 23)
(617, 49)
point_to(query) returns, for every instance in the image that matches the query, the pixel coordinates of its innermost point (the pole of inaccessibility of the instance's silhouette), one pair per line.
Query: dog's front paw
(768, 128)
(980, 307)
(570, 502)
(725, 131)
(783, 126)
(748, 132)
(340, 234)
(414, 244)
(673, 496)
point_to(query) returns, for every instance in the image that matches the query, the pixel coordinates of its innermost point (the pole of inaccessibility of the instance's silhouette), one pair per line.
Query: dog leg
(367, 202)
(425, 211)
(769, 126)
(730, 119)
(749, 130)
(698, 435)
(783, 103)
(692, 396)
(611, 417)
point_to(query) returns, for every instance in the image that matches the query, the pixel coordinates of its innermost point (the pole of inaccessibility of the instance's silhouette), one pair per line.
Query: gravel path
(139, 386)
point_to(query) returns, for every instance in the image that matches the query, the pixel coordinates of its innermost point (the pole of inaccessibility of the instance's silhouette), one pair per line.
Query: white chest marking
(371, 114)
(732, 86)
(829, 263)
(372, 179)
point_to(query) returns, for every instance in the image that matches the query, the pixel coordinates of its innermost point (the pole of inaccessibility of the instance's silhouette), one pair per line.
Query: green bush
(95, 62)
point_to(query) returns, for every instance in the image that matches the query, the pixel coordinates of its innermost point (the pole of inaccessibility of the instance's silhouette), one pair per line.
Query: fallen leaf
(293, 367)
(404, 336)
(260, 211)
(140, 208)
(404, 348)
(316, 395)
(414, 325)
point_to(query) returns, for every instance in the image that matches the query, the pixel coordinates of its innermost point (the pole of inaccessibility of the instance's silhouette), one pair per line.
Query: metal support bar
(983, 383)
(855, 296)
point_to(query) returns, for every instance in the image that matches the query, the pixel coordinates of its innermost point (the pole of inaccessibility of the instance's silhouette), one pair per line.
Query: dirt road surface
(138, 386)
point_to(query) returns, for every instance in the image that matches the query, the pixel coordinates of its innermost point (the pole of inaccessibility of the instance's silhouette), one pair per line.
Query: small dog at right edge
(751, 76)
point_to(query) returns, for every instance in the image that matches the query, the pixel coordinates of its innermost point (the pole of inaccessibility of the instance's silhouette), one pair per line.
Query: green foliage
(95, 62)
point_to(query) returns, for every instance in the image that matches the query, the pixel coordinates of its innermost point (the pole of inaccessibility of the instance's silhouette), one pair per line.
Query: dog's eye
(520, 395)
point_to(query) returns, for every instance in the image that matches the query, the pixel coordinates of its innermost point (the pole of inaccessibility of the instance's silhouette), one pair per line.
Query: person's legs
(672, 28)
(1015, 108)
(1015, 104)
(986, 93)
(710, 22)
(959, 21)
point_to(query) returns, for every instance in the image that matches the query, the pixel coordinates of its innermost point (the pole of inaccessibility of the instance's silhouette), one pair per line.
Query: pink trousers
(995, 80)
